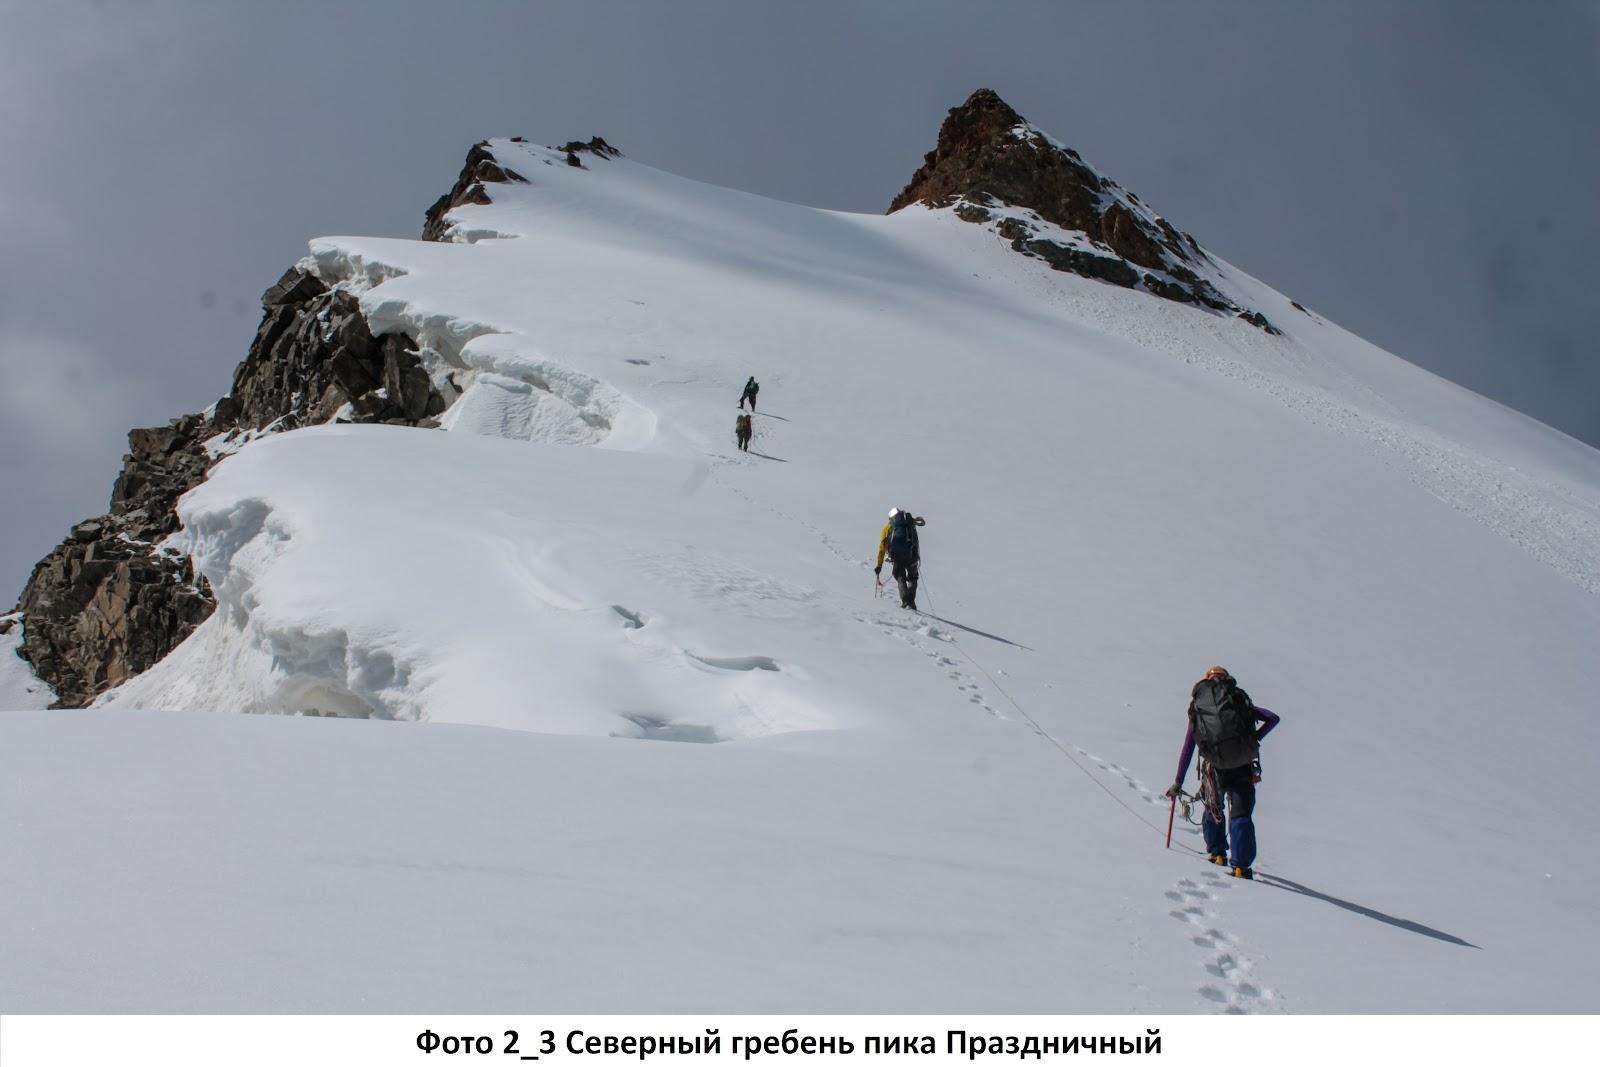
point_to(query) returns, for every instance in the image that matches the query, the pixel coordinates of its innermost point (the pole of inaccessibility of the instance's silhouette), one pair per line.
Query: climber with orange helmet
(1227, 728)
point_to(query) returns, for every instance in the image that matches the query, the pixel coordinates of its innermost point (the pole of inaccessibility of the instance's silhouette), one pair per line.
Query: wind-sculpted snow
(510, 392)
(500, 384)
(348, 584)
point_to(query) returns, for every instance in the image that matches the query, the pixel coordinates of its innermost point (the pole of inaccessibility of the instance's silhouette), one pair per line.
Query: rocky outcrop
(108, 603)
(481, 169)
(315, 359)
(102, 607)
(992, 167)
(594, 145)
(162, 463)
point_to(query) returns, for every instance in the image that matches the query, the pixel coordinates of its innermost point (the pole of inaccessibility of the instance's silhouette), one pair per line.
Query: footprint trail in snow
(1228, 983)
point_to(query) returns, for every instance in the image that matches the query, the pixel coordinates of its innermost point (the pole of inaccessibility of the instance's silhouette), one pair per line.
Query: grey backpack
(1224, 723)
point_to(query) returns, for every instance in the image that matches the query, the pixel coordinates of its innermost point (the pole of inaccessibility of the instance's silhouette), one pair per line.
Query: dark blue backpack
(903, 538)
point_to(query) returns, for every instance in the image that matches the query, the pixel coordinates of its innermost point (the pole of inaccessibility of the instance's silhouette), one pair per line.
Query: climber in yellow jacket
(899, 542)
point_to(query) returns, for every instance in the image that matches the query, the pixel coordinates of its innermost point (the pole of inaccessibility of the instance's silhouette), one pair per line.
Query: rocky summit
(997, 170)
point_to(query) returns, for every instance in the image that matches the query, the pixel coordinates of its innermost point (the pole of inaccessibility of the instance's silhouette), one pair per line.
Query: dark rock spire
(992, 167)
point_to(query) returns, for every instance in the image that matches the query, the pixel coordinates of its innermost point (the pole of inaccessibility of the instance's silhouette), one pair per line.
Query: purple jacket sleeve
(1267, 719)
(1186, 755)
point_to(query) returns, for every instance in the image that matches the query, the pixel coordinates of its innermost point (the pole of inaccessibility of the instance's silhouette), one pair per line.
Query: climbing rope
(1042, 732)
(1186, 804)
(1034, 723)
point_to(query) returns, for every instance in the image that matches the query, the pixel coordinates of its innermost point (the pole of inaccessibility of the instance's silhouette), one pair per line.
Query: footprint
(656, 728)
(1233, 987)
(631, 620)
(735, 663)
(965, 684)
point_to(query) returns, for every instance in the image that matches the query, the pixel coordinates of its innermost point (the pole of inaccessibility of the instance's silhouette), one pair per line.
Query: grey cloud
(1505, 280)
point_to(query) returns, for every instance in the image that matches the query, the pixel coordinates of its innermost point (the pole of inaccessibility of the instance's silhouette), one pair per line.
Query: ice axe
(1171, 810)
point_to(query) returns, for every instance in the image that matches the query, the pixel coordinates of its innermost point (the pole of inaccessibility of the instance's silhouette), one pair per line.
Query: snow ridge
(497, 383)
(719, 772)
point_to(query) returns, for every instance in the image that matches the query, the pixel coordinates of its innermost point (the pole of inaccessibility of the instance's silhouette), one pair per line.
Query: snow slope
(720, 774)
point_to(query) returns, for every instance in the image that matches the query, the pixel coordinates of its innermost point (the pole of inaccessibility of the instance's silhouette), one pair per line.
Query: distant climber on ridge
(899, 542)
(741, 431)
(1223, 725)
(750, 391)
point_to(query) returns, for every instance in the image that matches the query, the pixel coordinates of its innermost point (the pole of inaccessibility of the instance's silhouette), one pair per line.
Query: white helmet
(893, 512)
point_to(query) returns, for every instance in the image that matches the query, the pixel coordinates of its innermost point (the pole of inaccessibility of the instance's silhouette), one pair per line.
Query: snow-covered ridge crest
(495, 382)
(379, 572)
(582, 299)
(591, 285)
(252, 657)
(484, 169)
(316, 358)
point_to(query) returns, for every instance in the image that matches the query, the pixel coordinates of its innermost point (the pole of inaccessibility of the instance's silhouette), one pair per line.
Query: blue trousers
(1237, 789)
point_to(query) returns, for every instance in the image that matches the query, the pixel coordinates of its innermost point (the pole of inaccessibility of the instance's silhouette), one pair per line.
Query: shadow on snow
(977, 633)
(1404, 924)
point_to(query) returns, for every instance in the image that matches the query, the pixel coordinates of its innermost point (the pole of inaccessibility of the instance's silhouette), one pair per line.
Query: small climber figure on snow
(750, 391)
(741, 431)
(899, 542)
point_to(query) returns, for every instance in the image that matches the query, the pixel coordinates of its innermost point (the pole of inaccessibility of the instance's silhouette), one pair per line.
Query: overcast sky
(1426, 174)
